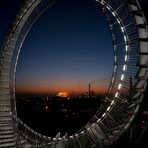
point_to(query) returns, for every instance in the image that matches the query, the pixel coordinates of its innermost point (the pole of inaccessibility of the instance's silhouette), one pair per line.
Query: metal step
(7, 132)
(5, 108)
(4, 103)
(6, 128)
(5, 114)
(6, 136)
(9, 144)
(5, 119)
(7, 140)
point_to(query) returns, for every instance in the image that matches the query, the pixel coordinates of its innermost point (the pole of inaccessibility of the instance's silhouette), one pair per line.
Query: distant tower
(89, 90)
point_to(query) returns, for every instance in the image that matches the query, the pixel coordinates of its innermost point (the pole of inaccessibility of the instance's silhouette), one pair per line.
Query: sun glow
(62, 94)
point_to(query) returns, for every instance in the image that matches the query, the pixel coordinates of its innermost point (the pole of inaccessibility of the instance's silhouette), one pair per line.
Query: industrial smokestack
(89, 90)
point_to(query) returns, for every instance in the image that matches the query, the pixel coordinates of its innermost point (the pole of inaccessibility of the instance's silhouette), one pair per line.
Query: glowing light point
(119, 87)
(108, 108)
(126, 48)
(122, 77)
(125, 38)
(125, 58)
(123, 31)
(71, 137)
(98, 120)
(118, 21)
(103, 114)
(116, 95)
(113, 14)
(93, 125)
(124, 67)
(108, 7)
(112, 102)
(101, 1)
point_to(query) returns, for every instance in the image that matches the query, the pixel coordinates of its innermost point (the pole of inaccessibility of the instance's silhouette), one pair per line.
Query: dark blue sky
(8, 9)
(69, 46)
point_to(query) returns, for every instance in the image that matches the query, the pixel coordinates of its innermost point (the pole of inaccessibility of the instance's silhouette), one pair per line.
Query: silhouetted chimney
(89, 90)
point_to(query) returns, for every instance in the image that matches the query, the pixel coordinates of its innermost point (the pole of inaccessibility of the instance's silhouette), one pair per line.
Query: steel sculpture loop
(130, 72)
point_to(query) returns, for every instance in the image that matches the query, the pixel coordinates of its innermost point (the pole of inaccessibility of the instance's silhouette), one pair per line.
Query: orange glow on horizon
(67, 92)
(70, 89)
(62, 94)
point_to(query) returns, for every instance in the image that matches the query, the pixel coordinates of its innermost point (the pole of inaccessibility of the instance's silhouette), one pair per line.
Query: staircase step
(9, 132)
(5, 114)
(5, 118)
(7, 140)
(9, 144)
(6, 128)
(4, 103)
(5, 108)
(6, 136)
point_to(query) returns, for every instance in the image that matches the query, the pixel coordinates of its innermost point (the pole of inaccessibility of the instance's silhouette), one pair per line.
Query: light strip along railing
(121, 43)
(128, 37)
(125, 46)
(104, 128)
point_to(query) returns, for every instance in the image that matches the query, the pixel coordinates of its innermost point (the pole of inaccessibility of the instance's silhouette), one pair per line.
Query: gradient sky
(68, 46)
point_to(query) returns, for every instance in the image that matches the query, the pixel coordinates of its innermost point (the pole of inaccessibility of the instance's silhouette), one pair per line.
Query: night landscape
(64, 72)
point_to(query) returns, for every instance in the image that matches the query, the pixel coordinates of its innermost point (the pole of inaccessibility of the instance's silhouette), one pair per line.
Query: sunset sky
(69, 46)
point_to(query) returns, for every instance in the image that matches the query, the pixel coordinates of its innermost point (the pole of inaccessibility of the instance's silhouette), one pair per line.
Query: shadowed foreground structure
(125, 95)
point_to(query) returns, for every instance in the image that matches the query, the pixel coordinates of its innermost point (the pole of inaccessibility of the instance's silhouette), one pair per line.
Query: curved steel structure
(130, 41)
